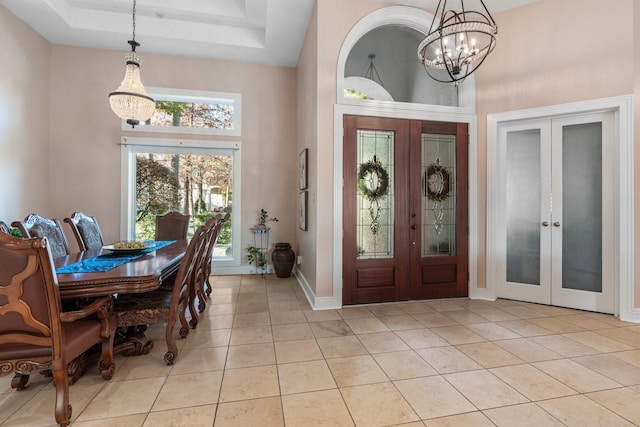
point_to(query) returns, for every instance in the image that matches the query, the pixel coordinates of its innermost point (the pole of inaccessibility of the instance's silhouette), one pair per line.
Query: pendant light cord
(134, 20)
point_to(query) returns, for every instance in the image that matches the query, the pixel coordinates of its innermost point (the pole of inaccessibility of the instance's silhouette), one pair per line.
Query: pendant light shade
(130, 101)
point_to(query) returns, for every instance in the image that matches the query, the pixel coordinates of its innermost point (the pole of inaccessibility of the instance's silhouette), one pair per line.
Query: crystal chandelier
(130, 101)
(458, 44)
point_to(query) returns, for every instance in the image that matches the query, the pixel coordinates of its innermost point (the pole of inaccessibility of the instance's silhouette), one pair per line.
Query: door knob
(556, 224)
(413, 227)
(545, 223)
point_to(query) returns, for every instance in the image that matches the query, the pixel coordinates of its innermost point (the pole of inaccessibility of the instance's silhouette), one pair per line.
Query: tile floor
(261, 357)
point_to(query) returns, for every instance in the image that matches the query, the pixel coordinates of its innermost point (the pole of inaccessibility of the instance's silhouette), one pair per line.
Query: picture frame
(302, 210)
(302, 169)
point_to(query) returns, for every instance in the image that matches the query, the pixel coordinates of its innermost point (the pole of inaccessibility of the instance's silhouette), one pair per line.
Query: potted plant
(255, 255)
(263, 219)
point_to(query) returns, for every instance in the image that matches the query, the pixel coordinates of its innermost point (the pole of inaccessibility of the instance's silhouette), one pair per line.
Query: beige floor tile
(523, 312)
(129, 421)
(200, 360)
(291, 331)
(421, 338)
(321, 315)
(401, 322)
(623, 335)
(195, 416)
(489, 355)
(464, 317)
(316, 409)
(330, 328)
(444, 305)
(525, 415)
(382, 342)
(484, 389)
(599, 342)
(576, 376)
(356, 370)
(282, 317)
(586, 322)
(332, 347)
(556, 325)
(354, 312)
(181, 391)
(259, 412)
(297, 351)
(208, 338)
(475, 419)
(12, 401)
(284, 305)
(493, 314)
(564, 346)
(632, 357)
(123, 398)
(525, 328)
(216, 322)
(383, 310)
(243, 320)
(580, 411)
(303, 377)
(366, 325)
(622, 401)
(433, 397)
(415, 308)
(434, 319)
(251, 335)
(249, 383)
(458, 334)
(611, 367)
(532, 382)
(448, 359)
(403, 365)
(243, 356)
(375, 405)
(528, 350)
(492, 332)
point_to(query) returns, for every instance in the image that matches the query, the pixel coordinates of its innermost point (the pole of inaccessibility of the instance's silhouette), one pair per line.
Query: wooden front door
(404, 210)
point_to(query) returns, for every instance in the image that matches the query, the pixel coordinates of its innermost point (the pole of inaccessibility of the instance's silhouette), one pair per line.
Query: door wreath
(373, 183)
(437, 182)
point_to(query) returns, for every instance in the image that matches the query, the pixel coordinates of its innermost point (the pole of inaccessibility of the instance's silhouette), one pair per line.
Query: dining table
(104, 271)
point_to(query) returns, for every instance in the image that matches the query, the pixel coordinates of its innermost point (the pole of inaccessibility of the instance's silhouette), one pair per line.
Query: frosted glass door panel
(523, 199)
(582, 207)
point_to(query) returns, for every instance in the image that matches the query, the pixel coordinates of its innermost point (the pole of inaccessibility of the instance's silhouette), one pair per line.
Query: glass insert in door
(582, 207)
(375, 207)
(438, 195)
(523, 198)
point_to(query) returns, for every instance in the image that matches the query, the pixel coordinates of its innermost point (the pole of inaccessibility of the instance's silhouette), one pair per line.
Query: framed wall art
(302, 210)
(302, 169)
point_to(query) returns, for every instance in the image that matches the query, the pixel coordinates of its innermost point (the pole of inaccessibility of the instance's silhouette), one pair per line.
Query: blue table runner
(108, 261)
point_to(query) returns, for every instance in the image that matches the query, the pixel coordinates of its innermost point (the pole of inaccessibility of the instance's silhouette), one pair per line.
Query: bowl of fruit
(129, 246)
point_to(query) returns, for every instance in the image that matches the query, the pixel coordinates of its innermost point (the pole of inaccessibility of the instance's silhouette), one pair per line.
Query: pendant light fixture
(130, 101)
(372, 72)
(458, 44)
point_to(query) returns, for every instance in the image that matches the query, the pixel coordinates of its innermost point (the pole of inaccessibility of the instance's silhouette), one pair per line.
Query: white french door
(557, 211)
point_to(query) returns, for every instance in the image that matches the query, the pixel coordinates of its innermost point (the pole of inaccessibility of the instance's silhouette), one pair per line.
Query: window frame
(131, 146)
(204, 97)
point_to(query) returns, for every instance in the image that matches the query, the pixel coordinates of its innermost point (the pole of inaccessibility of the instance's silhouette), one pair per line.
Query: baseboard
(316, 303)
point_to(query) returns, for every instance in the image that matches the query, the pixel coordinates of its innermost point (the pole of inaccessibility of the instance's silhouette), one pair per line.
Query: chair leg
(19, 381)
(106, 362)
(61, 381)
(193, 294)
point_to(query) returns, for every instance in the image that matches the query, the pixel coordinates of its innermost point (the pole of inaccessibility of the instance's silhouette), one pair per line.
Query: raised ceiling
(257, 31)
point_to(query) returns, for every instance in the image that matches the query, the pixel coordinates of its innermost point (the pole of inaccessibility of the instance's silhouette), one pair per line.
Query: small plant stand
(261, 241)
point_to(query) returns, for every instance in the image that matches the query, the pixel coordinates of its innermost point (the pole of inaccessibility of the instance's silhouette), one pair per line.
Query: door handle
(545, 223)
(556, 224)
(413, 227)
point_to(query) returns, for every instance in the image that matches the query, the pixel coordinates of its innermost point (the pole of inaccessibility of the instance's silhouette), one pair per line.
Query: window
(189, 112)
(195, 177)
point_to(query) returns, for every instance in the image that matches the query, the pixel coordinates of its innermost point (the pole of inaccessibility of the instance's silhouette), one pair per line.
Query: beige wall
(24, 119)
(583, 51)
(636, 120)
(74, 164)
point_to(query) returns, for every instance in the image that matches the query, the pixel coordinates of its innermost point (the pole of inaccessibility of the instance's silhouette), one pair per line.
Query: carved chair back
(35, 225)
(86, 230)
(172, 226)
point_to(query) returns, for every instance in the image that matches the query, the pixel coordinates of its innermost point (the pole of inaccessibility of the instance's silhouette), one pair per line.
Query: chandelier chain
(134, 20)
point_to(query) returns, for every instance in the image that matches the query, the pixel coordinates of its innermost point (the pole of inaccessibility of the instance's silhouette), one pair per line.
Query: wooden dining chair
(35, 335)
(35, 225)
(86, 230)
(172, 226)
(167, 304)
